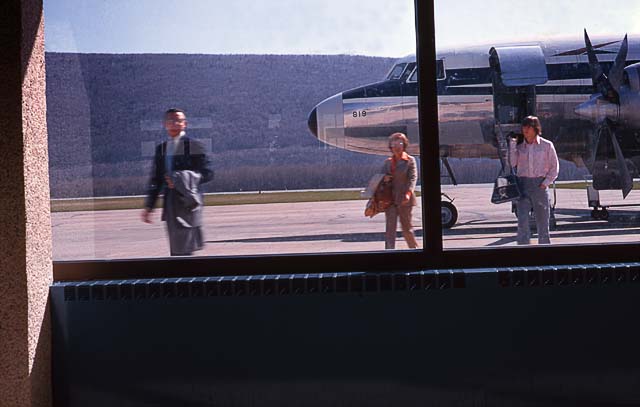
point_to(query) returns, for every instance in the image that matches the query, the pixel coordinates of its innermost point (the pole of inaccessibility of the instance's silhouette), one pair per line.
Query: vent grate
(582, 275)
(263, 285)
(586, 275)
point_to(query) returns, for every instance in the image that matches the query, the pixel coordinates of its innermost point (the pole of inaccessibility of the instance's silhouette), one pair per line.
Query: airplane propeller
(604, 107)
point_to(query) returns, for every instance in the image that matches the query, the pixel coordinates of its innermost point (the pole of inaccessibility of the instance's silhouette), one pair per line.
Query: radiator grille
(355, 283)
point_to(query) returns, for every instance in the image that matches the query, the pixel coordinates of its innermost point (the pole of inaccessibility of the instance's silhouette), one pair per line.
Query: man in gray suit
(180, 165)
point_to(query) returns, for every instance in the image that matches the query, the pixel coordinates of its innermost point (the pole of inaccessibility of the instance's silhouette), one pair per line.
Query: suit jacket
(404, 178)
(190, 155)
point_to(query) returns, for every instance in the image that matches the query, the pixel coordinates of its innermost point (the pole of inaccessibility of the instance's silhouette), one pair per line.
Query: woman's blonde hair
(399, 136)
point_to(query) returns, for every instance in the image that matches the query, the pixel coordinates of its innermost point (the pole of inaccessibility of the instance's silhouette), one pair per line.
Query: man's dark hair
(173, 110)
(533, 121)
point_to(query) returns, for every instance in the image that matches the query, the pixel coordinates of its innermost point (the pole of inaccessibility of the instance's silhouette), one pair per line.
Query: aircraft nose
(313, 122)
(326, 120)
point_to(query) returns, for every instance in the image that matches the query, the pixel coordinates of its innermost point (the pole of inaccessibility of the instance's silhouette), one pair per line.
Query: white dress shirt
(172, 147)
(538, 159)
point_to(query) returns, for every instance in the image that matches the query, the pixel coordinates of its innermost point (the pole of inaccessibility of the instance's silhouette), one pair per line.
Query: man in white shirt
(536, 163)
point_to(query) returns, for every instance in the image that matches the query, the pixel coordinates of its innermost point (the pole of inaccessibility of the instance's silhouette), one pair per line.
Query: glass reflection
(293, 111)
(584, 92)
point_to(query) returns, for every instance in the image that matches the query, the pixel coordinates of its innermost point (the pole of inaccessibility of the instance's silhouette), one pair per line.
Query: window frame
(391, 77)
(431, 256)
(442, 69)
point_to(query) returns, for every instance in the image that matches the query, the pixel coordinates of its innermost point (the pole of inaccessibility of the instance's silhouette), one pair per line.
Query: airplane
(586, 95)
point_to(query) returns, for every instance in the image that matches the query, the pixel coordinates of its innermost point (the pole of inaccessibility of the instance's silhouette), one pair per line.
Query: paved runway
(331, 227)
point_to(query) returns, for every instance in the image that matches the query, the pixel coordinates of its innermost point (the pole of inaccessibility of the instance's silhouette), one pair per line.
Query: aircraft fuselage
(361, 119)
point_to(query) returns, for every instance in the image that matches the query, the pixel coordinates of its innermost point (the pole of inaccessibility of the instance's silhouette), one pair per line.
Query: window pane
(501, 69)
(396, 71)
(287, 103)
(440, 71)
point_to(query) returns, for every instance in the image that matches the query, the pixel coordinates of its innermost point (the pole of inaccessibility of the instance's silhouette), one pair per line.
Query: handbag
(505, 187)
(382, 198)
(371, 209)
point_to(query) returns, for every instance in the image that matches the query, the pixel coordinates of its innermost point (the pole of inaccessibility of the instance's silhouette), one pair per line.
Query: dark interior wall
(212, 343)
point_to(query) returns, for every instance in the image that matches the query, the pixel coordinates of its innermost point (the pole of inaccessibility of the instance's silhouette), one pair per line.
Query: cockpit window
(407, 72)
(440, 72)
(396, 71)
(414, 75)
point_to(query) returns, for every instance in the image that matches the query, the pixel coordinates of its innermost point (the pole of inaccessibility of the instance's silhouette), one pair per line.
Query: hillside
(105, 111)
(104, 115)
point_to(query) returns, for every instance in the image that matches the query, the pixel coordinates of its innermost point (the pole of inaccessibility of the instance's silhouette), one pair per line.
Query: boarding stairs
(501, 131)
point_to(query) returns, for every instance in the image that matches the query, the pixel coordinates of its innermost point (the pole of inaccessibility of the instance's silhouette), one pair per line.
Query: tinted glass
(286, 112)
(501, 69)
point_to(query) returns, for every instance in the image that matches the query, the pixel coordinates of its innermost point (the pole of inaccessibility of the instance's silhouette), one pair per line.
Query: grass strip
(136, 202)
(583, 185)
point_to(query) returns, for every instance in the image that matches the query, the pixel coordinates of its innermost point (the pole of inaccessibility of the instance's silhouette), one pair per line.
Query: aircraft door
(515, 73)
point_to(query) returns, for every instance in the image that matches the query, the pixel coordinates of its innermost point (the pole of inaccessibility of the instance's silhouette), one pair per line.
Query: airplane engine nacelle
(632, 76)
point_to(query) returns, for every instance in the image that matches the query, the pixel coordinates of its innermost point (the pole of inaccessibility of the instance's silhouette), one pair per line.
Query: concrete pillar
(25, 221)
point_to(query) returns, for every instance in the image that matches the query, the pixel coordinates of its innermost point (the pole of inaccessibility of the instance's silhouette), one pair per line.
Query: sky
(372, 27)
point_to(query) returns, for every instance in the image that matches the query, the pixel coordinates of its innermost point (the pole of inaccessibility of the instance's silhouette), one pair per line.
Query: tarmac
(334, 227)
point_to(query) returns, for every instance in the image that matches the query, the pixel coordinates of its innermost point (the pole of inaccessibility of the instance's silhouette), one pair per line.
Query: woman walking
(400, 170)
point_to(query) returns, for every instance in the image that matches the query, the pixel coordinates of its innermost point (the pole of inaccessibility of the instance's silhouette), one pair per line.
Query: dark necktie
(168, 157)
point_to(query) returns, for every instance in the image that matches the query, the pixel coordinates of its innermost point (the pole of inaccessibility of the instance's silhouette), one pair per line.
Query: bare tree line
(104, 114)
(130, 178)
